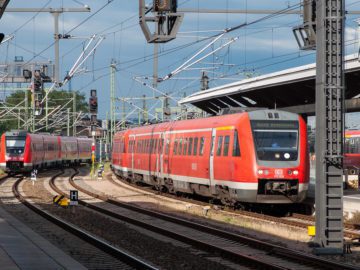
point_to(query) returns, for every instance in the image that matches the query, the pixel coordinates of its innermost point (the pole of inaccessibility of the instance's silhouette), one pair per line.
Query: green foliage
(55, 98)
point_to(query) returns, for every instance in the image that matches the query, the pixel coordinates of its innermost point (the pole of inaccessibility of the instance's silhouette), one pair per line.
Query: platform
(351, 197)
(22, 248)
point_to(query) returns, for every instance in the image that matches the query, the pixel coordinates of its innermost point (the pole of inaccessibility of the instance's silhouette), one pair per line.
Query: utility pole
(26, 109)
(123, 114)
(68, 122)
(112, 99)
(46, 113)
(330, 88)
(145, 115)
(74, 113)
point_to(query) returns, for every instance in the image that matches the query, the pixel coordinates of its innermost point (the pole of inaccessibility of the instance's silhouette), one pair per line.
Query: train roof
(349, 133)
(21, 133)
(222, 120)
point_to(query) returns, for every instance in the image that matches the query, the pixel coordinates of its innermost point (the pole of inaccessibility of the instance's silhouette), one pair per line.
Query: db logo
(279, 173)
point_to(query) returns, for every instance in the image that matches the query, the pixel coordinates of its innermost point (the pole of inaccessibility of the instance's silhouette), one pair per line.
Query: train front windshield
(276, 140)
(15, 145)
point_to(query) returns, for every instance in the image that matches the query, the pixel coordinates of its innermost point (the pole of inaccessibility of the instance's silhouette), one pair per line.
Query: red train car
(255, 157)
(21, 151)
(352, 152)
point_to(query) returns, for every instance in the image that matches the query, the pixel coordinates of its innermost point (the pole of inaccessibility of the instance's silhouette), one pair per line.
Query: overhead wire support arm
(77, 64)
(154, 89)
(135, 106)
(184, 66)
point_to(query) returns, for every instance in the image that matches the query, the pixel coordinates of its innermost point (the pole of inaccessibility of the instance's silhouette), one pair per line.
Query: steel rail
(274, 249)
(231, 255)
(113, 251)
(352, 230)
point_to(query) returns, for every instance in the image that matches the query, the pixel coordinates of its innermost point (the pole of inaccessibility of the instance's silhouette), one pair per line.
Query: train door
(211, 165)
(133, 139)
(166, 145)
(161, 146)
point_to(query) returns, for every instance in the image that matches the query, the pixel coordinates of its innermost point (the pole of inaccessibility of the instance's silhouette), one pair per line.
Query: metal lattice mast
(74, 113)
(112, 100)
(329, 125)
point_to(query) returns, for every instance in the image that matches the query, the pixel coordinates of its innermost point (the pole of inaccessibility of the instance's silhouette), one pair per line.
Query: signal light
(93, 119)
(38, 84)
(27, 74)
(93, 105)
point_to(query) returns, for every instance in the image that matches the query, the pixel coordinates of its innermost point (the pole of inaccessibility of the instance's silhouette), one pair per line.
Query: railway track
(254, 253)
(126, 261)
(352, 231)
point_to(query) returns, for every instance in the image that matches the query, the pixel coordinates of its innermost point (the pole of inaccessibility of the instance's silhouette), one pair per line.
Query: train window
(185, 146)
(219, 145)
(196, 140)
(190, 146)
(226, 145)
(180, 147)
(236, 147)
(202, 142)
(175, 146)
(167, 146)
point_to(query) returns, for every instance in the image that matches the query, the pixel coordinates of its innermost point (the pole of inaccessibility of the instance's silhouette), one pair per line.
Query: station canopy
(291, 90)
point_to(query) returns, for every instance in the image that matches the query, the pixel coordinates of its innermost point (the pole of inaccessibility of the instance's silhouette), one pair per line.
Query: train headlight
(266, 172)
(290, 172)
(296, 172)
(260, 172)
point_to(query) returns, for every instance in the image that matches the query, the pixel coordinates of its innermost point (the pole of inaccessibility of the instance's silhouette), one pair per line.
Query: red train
(21, 151)
(256, 157)
(352, 152)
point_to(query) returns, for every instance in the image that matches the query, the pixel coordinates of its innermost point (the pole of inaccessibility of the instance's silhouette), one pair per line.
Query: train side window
(180, 147)
(226, 145)
(236, 146)
(185, 146)
(190, 146)
(219, 145)
(167, 146)
(175, 146)
(196, 141)
(202, 143)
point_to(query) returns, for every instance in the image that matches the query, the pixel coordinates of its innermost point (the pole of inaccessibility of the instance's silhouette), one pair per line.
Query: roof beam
(351, 105)
(3, 4)
(251, 11)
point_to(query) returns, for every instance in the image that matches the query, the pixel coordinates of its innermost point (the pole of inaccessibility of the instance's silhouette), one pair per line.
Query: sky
(261, 48)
